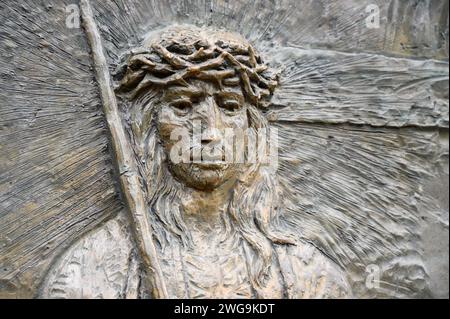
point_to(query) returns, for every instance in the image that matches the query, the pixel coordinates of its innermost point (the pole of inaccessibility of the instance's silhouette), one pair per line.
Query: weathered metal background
(363, 114)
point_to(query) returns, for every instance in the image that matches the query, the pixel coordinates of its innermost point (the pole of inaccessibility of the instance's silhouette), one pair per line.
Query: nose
(207, 114)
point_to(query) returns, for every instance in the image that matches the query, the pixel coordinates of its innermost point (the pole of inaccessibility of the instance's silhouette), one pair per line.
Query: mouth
(209, 165)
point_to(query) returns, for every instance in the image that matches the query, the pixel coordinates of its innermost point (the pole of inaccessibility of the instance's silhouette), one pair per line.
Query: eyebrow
(227, 93)
(178, 90)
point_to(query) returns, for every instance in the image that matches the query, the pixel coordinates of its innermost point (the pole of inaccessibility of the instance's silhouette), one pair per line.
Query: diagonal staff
(129, 179)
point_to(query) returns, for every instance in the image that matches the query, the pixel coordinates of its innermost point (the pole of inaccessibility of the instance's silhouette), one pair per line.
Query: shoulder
(308, 273)
(99, 265)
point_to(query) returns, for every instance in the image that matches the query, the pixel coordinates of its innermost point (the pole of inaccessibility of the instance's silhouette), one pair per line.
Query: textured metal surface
(362, 113)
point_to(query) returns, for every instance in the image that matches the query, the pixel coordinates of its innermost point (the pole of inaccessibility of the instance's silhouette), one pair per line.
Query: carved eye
(182, 105)
(230, 105)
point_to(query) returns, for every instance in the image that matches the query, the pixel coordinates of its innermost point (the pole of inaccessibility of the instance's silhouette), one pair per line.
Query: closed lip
(210, 165)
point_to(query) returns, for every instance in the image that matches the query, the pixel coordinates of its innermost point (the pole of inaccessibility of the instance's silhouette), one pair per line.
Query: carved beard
(253, 211)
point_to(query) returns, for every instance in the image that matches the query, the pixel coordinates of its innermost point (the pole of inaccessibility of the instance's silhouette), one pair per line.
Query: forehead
(197, 87)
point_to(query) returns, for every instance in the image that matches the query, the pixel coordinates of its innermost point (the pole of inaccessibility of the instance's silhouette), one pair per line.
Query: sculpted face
(214, 109)
(203, 77)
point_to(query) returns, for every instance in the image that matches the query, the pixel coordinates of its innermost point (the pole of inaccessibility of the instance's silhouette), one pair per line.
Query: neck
(204, 212)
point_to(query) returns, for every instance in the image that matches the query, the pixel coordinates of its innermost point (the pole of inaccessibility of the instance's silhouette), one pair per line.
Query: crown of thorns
(174, 61)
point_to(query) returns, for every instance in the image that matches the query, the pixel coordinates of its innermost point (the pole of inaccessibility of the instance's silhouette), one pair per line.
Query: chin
(202, 177)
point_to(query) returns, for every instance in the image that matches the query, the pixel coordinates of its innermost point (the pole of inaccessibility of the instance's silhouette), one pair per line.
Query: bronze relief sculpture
(216, 225)
(223, 149)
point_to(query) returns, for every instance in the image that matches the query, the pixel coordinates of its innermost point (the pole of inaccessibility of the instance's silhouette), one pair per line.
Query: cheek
(168, 121)
(239, 121)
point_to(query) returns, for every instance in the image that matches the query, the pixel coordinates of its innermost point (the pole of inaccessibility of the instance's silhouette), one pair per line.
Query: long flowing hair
(173, 56)
(253, 210)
